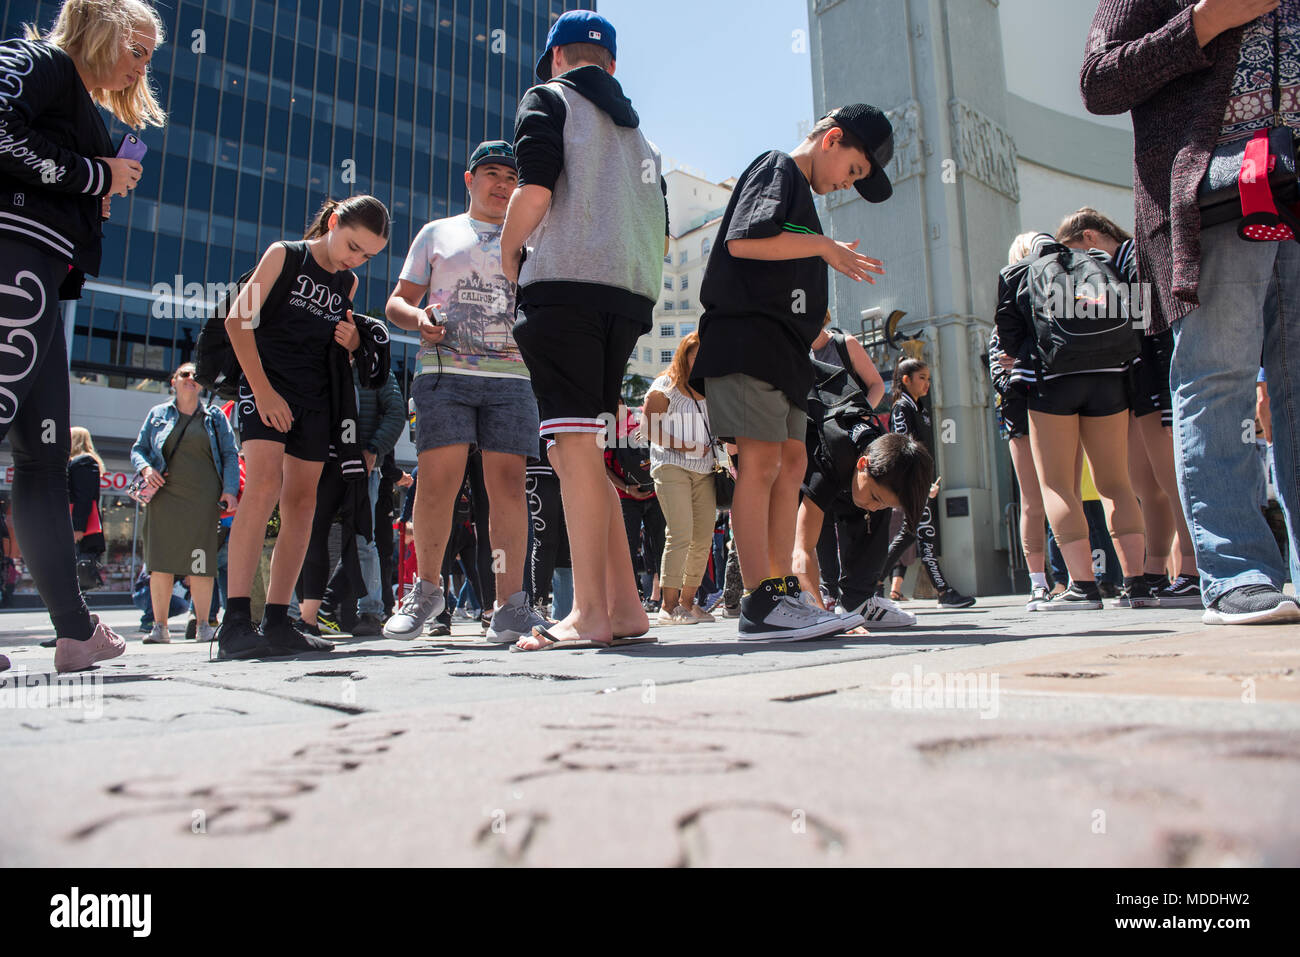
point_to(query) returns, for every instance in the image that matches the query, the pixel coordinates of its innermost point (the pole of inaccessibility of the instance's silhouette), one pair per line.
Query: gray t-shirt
(459, 259)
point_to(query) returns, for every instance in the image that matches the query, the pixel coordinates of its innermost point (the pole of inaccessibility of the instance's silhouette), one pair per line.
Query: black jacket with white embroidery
(51, 180)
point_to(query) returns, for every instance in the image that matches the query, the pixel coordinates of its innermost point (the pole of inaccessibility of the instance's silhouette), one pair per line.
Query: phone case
(132, 148)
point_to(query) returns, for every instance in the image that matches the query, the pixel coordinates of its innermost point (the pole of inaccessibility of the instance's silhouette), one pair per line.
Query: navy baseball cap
(493, 151)
(875, 131)
(576, 26)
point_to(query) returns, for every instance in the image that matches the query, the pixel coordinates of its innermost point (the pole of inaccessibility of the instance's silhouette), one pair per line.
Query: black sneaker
(1183, 592)
(1107, 589)
(367, 626)
(327, 623)
(191, 629)
(1136, 593)
(437, 629)
(1252, 605)
(1075, 598)
(768, 613)
(239, 638)
(306, 629)
(54, 642)
(285, 639)
(952, 598)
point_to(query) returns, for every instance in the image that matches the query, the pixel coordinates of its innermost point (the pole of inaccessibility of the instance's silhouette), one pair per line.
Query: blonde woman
(55, 184)
(84, 470)
(681, 463)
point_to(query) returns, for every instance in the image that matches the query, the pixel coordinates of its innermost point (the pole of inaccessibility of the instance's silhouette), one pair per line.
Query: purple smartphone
(132, 148)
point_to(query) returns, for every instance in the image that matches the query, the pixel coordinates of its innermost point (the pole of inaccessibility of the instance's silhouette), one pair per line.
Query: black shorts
(307, 439)
(1091, 394)
(576, 356)
(1151, 388)
(1013, 413)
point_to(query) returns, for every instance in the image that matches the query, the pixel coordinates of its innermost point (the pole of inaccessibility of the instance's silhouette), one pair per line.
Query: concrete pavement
(979, 737)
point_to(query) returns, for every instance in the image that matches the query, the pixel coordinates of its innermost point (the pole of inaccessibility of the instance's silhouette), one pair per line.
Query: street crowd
(773, 475)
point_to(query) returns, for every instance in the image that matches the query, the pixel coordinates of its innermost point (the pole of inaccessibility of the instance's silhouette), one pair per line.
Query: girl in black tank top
(283, 410)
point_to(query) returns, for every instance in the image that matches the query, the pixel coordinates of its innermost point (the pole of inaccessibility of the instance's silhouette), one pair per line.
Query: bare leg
(201, 592)
(1159, 443)
(263, 461)
(760, 466)
(297, 508)
(160, 596)
(783, 508)
(442, 472)
(1033, 537)
(1055, 443)
(1105, 439)
(1157, 516)
(591, 512)
(503, 476)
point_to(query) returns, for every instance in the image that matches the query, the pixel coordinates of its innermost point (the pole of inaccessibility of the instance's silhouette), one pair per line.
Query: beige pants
(690, 509)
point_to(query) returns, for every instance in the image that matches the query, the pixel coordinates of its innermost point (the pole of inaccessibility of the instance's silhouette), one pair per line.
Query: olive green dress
(183, 514)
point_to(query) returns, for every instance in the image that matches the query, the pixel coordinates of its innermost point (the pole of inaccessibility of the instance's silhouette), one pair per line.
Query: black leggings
(34, 413)
(924, 536)
(550, 536)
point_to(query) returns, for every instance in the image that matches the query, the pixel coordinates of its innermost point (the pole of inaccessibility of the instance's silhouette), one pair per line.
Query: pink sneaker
(70, 655)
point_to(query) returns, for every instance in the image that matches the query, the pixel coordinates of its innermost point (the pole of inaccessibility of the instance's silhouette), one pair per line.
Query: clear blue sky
(716, 82)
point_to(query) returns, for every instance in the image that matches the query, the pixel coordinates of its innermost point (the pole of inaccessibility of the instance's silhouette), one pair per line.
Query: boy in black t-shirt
(764, 294)
(857, 472)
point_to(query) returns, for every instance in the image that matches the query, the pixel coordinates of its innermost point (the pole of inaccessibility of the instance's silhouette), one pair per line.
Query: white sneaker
(848, 619)
(421, 602)
(879, 612)
(827, 622)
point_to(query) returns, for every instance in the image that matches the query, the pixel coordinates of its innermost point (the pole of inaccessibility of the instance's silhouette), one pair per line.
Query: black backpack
(838, 411)
(216, 367)
(1080, 310)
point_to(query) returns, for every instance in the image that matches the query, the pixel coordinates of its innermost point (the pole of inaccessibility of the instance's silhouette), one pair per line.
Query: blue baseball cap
(576, 26)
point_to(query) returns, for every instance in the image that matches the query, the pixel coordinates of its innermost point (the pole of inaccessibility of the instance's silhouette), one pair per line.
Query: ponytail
(905, 367)
(1073, 226)
(364, 211)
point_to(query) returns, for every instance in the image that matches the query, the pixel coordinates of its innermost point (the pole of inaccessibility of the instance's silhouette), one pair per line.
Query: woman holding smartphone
(57, 172)
(284, 411)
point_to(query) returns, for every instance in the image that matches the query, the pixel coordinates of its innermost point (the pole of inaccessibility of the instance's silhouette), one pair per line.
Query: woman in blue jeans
(1194, 79)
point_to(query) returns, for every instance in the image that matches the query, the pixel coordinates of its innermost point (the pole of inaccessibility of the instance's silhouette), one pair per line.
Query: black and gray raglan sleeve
(539, 137)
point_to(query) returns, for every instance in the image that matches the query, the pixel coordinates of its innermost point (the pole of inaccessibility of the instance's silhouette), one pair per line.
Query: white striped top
(683, 420)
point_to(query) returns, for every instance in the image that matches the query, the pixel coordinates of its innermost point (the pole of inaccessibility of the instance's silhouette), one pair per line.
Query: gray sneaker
(205, 632)
(514, 620)
(158, 636)
(422, 602)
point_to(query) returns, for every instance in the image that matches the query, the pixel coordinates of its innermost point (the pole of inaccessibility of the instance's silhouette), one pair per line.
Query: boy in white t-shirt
(471, 388)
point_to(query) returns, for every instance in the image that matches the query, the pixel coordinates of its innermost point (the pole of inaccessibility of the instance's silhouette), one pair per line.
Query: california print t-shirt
(459, 259)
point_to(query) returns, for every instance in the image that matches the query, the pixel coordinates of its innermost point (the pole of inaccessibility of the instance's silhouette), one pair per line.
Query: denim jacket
(158, 425)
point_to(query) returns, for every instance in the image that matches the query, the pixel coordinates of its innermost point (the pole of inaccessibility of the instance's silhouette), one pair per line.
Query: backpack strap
(842, 350)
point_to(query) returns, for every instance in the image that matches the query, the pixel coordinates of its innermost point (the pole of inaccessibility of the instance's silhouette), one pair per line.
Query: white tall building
(695, 208)
(991, 138)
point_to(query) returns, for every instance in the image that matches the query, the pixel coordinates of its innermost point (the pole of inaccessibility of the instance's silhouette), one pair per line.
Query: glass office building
(272, 108)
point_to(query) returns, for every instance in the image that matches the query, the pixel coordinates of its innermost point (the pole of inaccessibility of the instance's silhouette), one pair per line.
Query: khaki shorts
(742, 406)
